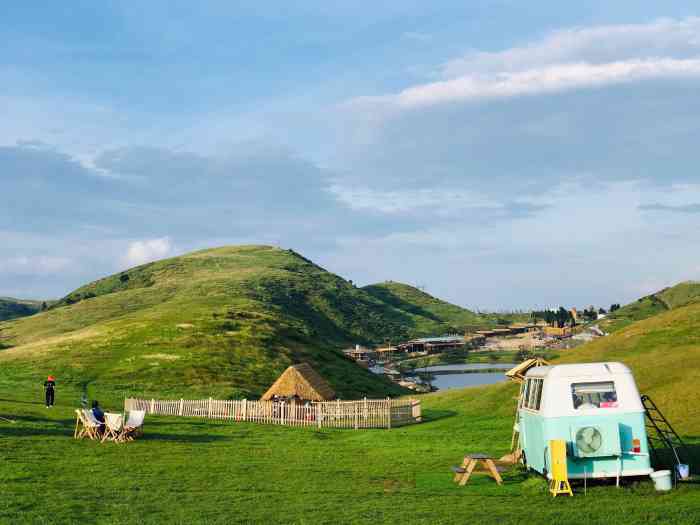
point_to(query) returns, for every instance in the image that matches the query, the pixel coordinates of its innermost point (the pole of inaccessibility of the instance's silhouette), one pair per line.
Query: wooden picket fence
(364, 413)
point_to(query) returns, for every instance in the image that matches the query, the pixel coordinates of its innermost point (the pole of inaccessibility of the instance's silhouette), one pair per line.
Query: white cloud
(550, 79)
(441, 200)
(141, 252)
(565, 60)
(596, 45)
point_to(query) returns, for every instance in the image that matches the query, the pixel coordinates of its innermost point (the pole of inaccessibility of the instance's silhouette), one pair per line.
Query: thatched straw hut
(301, 383)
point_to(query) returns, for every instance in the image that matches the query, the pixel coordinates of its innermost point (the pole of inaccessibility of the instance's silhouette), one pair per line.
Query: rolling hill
(682, 294)
(427, 309)
(11, 308)
(222, 322)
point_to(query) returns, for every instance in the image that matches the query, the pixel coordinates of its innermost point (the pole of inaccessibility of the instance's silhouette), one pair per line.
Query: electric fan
(588, 440)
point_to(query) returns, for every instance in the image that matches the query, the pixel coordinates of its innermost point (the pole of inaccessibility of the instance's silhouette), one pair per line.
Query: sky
(502, 155)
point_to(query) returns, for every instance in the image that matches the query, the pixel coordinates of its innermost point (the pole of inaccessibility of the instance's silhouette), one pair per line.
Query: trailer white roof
(579, 370)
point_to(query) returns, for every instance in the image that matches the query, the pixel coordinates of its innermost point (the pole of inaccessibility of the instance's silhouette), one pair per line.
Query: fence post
(355, 407)
(209, 409)
(388, 413)
(245, 410)
(179, 412)
(318, 414)
(152, 404)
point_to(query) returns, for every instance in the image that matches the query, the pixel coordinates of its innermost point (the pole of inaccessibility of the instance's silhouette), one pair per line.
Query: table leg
(491, 466)
(468, 471)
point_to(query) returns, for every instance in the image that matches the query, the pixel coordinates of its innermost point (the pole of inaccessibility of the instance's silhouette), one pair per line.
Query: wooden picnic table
(469, 467)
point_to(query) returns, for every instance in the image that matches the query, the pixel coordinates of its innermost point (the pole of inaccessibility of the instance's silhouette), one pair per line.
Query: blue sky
(501, 154)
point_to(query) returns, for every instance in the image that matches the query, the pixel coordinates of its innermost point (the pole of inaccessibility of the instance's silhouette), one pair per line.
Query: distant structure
(300, 383)
(574, 314)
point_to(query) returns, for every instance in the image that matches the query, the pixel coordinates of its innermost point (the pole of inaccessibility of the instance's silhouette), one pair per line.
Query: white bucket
(683, 471)
(661, 479)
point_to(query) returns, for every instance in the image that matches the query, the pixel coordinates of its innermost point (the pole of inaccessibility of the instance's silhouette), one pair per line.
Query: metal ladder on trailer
(660, 433)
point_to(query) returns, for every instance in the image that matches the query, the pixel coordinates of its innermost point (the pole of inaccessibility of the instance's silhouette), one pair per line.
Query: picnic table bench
(469, 467)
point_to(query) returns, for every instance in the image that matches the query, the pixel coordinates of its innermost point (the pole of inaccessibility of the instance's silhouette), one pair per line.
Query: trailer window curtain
(594, 395)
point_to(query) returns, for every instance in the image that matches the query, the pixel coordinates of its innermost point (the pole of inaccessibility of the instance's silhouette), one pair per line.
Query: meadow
(194, 471)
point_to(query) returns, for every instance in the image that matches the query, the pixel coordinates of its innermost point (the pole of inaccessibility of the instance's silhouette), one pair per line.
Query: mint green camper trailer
(595, 408)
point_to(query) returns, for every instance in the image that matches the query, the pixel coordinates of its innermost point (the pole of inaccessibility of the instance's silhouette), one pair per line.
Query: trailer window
(533, 394)
(594, 395)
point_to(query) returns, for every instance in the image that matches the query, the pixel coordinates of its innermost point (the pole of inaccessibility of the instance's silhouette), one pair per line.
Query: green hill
(667, 299)
(428, 309)
(14, 308)
(222, 322)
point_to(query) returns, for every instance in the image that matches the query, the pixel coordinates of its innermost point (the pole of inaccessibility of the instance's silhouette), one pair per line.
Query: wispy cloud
(684, 208)
(565, 60)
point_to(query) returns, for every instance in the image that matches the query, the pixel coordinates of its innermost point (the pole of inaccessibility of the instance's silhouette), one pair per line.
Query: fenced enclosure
(364, 413)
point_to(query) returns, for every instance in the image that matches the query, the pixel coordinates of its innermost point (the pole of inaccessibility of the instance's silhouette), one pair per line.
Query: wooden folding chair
(86, 425)
(113, 427)
(134, 425)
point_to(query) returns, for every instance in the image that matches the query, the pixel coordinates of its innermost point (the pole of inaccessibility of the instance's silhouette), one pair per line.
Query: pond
(444, 377)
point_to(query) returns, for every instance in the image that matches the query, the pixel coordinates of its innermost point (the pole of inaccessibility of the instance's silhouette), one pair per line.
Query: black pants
(49, 397)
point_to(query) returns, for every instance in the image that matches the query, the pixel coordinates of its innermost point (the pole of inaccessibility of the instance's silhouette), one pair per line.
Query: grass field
(192, 471)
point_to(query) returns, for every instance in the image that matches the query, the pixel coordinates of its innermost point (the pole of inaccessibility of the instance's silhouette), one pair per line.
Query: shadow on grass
(183, 438)
(435, 415)
(10, 430)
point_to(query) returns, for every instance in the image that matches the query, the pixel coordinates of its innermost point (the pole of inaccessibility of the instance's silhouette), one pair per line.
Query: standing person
(49, 387)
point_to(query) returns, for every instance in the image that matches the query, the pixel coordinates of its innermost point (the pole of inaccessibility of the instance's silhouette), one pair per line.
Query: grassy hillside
(14, 308)
(222, 322)
(428, 309)
(667, 299)
(664, 353)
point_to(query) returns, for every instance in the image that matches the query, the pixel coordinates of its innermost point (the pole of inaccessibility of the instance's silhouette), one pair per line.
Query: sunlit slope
(222, 322)
(664, 354)
(667, 299)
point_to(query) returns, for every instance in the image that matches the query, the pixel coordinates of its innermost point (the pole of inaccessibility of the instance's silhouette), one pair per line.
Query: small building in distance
(362, 356)
(432, 345)
(299, 383)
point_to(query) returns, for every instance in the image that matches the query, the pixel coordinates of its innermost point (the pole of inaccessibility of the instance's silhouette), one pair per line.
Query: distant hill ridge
(682, 294)
(11, 308)
(224, 321)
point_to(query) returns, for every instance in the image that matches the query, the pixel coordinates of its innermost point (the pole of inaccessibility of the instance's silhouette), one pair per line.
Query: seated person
(99, 414)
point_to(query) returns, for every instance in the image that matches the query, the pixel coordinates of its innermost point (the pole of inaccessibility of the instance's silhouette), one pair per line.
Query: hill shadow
(394, 300)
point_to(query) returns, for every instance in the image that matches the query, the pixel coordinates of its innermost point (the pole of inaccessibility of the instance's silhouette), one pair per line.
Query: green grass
(646, 307)
(222, 322)
(192, 471)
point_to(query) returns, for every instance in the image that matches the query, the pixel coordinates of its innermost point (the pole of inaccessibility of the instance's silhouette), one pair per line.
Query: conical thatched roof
(301, 381)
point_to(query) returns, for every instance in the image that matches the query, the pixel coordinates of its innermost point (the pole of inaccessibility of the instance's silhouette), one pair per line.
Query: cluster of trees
(559, 318)
(563, 317)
